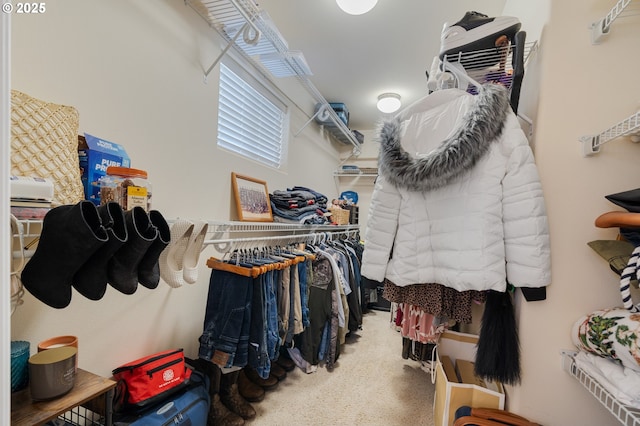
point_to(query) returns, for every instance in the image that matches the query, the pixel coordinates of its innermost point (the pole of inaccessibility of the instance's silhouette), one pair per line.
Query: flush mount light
(388, 102)
(356, 7)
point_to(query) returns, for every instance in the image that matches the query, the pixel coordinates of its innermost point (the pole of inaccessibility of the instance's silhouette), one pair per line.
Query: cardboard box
(95, 156)
(449, 370)
(451, 395)
(466, 373)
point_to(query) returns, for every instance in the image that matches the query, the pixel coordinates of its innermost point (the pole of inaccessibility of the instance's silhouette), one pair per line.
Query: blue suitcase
(186, 408)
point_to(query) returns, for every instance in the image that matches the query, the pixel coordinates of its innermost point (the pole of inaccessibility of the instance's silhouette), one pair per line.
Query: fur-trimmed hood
(481, 126)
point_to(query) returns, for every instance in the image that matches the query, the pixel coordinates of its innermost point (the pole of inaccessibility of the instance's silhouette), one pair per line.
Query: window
(252, 121)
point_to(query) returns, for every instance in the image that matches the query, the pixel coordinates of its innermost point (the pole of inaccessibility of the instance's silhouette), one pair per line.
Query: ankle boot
(220, 415)
(249, 390)
(278, 372)
(269, 383)
(286, 363)
(149, 269)
(91, 280)
(231, 398)
(123, 266)
(70, 235)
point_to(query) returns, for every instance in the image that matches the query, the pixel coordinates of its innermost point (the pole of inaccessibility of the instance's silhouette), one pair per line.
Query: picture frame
(252, 199)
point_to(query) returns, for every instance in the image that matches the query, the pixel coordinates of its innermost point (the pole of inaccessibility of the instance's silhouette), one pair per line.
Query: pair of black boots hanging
(87, 247)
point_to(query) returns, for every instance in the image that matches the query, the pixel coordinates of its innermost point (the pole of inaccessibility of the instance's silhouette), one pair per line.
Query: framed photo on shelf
(252, 199)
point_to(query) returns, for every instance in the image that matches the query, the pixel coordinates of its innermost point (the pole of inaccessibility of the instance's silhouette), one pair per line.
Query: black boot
(219, 413)
(122, 270)
(149, 270)
(231, 398)
(91, 280)
(70, 235)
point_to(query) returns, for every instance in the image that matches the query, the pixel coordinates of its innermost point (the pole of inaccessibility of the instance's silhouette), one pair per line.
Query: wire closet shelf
(250, 29)
(225, 236)
(626, 415)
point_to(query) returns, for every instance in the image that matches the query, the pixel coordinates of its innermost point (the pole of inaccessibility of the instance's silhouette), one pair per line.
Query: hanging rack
(229, 245)
(601, 28)
(221, 234)
(628, 127)
(225, 236)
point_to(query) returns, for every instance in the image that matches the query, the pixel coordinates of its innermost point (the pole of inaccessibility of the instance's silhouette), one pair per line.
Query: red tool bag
(149, 380)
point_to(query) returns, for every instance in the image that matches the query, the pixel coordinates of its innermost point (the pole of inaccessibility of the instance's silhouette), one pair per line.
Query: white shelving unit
(628, 127)
(244, 25)
(626, 415)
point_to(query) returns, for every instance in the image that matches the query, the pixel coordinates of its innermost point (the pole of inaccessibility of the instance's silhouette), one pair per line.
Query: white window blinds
(251, 122)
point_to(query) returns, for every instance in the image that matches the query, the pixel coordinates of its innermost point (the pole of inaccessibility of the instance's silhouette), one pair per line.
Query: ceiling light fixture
(389, 102)
(356, 7)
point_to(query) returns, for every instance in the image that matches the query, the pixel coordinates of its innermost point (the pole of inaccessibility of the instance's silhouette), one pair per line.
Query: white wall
(134, 70)
(583, 89)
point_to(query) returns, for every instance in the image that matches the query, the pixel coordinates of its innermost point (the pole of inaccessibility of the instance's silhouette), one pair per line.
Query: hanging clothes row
(299, 299)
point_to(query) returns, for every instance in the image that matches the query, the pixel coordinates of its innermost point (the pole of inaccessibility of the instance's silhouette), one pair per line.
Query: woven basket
(340, 216)
(44, 143)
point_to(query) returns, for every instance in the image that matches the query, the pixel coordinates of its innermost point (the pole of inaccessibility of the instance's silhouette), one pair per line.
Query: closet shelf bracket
(601, 28)
(244, 28)
(629, 127)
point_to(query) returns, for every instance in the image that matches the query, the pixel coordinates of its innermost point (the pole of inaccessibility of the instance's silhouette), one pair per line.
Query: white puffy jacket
(458, 201)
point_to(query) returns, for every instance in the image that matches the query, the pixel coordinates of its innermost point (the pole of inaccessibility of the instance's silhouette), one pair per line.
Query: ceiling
(355, 58)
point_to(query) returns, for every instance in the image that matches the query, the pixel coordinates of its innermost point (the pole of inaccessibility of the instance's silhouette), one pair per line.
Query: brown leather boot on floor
(267, 384)
(249, 390)
(286, 363)
(220, 415)
(232, 399)
(278, 372)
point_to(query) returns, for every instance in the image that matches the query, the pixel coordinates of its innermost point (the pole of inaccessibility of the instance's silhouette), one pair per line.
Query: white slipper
(192, 254)
(171, 258)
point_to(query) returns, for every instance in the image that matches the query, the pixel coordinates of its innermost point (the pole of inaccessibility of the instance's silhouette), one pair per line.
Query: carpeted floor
(371, 385)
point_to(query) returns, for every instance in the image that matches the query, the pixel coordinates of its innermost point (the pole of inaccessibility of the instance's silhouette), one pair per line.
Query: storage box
(354, 214)
(95, 156)
(341, 111)
(453, 392)
(359, 136)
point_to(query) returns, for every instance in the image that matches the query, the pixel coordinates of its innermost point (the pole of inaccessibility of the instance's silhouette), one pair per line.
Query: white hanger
(460, 74)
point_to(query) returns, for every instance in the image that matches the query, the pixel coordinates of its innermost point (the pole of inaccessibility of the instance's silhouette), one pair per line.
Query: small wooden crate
(340, 216)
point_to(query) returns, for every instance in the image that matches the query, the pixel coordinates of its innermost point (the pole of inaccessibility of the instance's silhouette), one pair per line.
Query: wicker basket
(340, 216)
(44, 143)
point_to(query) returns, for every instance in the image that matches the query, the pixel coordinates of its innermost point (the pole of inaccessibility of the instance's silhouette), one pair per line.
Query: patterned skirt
(436, 299)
